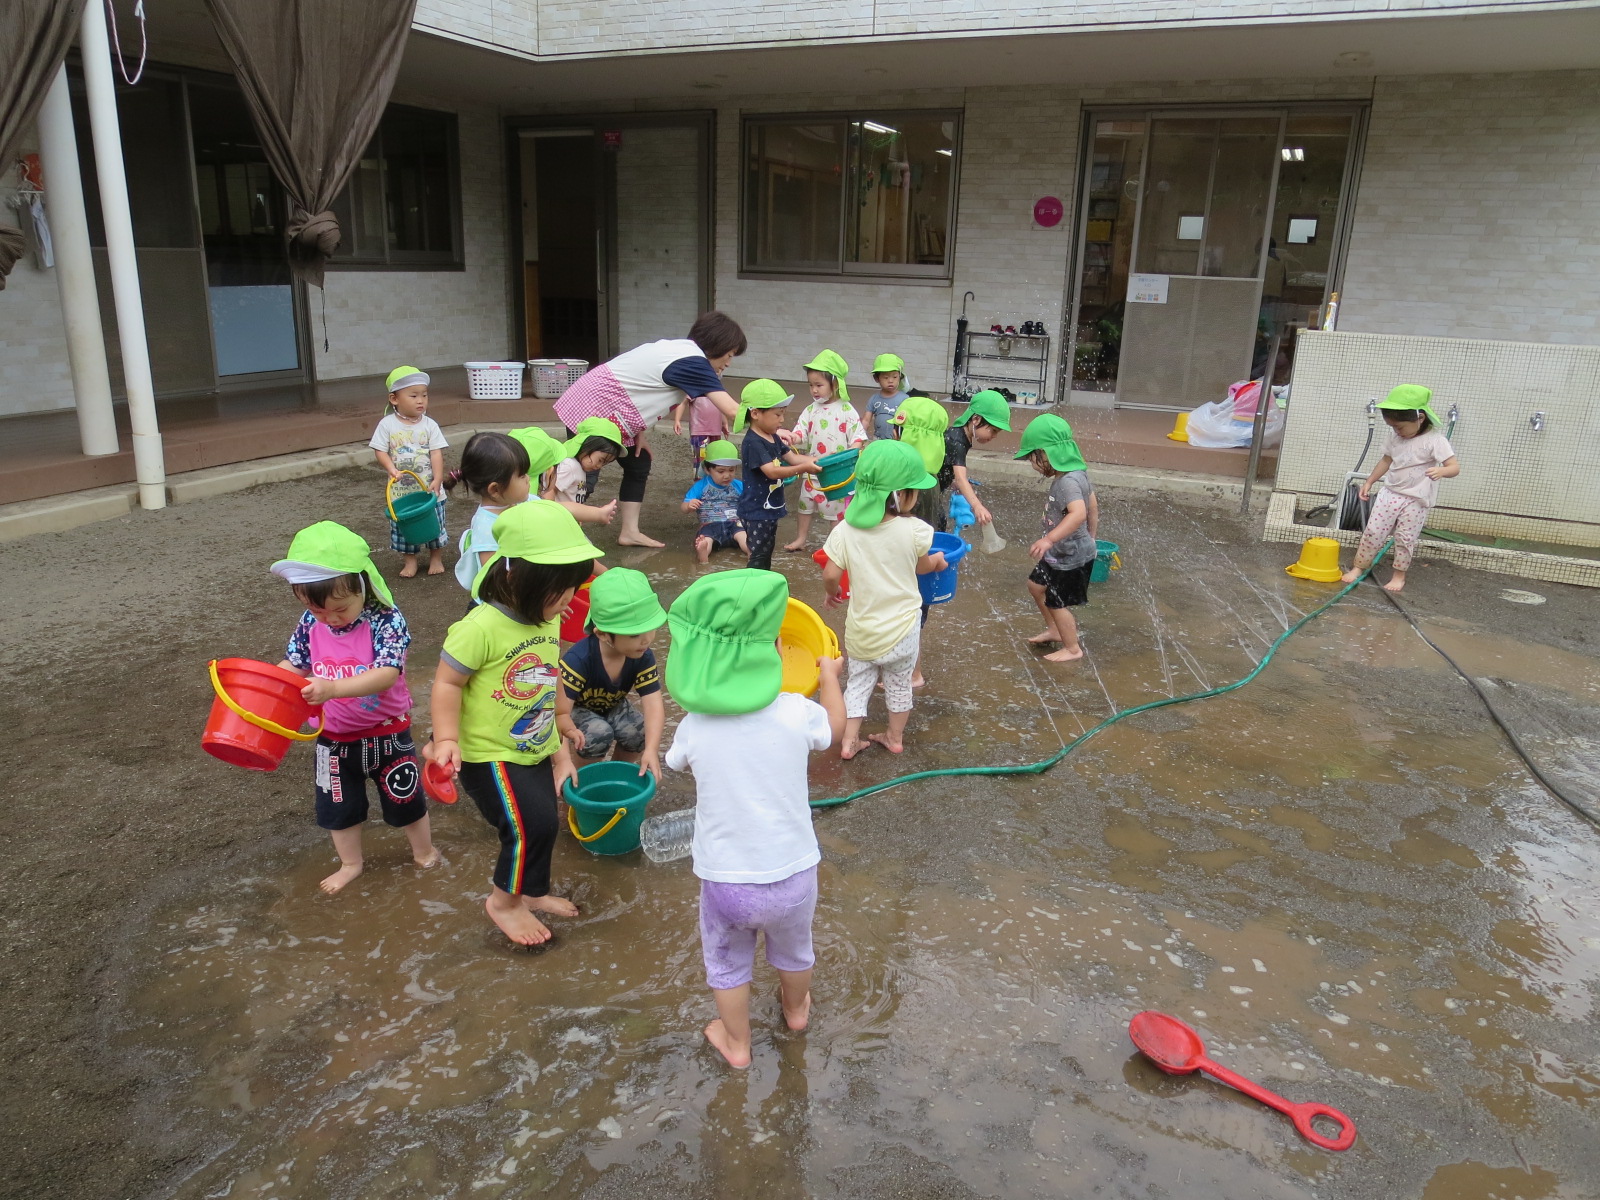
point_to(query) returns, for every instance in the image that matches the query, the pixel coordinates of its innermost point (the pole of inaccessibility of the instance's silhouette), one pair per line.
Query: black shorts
(520, 802)
(1063, 587)
(343, 768)
(721, 533)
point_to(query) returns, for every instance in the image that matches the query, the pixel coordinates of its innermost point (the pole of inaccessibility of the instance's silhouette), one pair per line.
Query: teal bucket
(415, 513)
(1105, 553)
(838, 478)
(606, 804)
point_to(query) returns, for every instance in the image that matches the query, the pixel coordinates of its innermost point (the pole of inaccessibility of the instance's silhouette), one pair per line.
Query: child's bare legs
(630, 534)
(1067, 634)
(556, 906)
(436, 561)
(742, 542)
(702, 549)
(347, 845)
(423, 852)
(1050, 634)
(408, 566)
(852, 743)
(794, 990)
(514, 916)
(893, 738)
(802, 532)
(730, 1032)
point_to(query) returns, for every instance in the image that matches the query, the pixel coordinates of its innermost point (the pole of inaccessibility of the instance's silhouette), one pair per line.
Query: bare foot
(798, 1021)
(436, 567)
(1065, 655)
(556, 906)
(717, 1035)
(518, 924)
(883, 740)
(702, 549)
(409, 571)
(432, 859)
(851, 747)
(1397, 582)
(795, 545)
(334, 883)
(1350, 576)
(639, 539)
(1045, 638)
(918, 681)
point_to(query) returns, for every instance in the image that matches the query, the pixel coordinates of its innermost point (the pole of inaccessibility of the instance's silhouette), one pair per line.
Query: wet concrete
(1340, 875)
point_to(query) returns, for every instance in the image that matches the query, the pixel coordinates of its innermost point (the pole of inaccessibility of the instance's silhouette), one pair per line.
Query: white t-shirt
(1409, 460)
(409, 445)
(752, 819)
(885, 604)
(571, 480)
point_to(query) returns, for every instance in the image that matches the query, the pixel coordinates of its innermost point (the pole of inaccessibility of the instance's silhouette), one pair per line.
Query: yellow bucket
(802, 640)
(1180, 428)
(1319, 561)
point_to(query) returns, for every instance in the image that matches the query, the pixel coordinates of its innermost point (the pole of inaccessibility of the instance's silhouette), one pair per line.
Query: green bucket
(416, 513)
(1105, 559)
(838, 477)
(605, 806)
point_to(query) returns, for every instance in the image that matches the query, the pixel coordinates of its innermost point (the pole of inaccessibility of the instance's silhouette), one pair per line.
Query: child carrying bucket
(715, 497)
(409, 445)
(986, 416)
(613, 662)
(1065, 550)
(748, 744)
(351, 642)
(826, 426)
(884, 549)
(494, 706)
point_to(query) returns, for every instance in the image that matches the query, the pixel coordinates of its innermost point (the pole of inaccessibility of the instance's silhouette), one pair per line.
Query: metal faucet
(1537, 421)
(1454, 414)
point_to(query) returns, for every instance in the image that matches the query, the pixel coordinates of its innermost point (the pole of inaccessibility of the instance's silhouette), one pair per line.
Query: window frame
(408, 260)
(911, 274)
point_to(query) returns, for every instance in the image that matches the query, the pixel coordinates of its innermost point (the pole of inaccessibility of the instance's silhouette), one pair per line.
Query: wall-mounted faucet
(1537, 421)
(1372, 406)
(1454, 414)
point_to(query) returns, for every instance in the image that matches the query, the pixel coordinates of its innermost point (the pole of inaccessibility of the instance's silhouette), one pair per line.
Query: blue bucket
(941, 585)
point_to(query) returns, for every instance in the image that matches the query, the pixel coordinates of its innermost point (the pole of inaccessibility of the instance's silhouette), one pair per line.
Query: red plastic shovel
(1178, 1050)
(439, 783)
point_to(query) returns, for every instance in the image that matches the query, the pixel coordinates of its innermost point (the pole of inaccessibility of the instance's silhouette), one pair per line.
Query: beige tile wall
(658, 234)
(33, 340)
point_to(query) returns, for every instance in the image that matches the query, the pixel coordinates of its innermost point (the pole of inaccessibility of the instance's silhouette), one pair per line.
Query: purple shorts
(732, 914)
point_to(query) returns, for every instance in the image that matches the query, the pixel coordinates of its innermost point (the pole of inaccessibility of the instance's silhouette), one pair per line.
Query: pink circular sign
(1048, 211)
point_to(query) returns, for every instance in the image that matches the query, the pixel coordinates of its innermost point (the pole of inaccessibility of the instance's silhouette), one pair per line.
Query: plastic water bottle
(668, 837)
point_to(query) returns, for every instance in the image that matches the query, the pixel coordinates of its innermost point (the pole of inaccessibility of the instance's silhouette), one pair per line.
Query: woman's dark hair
(716, 333)
(323, 590)
(1409, 414)
(490, 458)
(596, 442)
(528, 588)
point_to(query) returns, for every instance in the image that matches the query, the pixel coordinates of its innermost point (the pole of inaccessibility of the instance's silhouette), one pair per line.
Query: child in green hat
(1065, 550)
(494, 705)
(889, 373)
(613, 662)
(1416, 455)
(351, 643)
(409, 445)
(593, 444)
(715, 496)
(748, 745)
(826, 426)
(884, 548)
(767, 462)
(986, 416)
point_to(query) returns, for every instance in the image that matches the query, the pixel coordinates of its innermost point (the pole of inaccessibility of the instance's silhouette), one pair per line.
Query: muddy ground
(1340, 874)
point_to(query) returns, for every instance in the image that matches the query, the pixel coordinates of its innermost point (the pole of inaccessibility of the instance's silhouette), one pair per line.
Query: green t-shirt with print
(508, 707)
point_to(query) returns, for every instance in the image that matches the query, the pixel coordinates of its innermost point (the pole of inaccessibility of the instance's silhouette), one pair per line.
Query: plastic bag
(1218, 426)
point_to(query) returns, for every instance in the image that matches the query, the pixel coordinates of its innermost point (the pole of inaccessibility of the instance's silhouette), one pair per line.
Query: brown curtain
(34, 36)
(317, 75)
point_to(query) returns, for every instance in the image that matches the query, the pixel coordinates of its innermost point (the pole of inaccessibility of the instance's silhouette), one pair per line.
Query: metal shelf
(1033, 368)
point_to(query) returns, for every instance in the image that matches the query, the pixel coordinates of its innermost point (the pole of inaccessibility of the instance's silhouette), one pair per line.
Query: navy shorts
(343, 768)
(1063, 587)
(721, 533)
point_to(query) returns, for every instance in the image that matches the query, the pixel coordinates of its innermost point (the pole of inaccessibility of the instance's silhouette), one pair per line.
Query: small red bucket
(820, 557)
(572, 621)
(257, 713)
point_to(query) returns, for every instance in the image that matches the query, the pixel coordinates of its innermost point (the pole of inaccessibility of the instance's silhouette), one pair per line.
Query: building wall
(379, 319)
(1476, 215)
(33, 338)
(658, 234)
(596, 27)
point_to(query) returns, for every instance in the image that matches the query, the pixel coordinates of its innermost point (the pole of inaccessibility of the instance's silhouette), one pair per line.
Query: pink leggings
(1403, 516)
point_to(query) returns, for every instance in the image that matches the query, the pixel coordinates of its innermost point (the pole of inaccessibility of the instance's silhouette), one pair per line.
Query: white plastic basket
(494, 380)
(552, 376)
(575, 369)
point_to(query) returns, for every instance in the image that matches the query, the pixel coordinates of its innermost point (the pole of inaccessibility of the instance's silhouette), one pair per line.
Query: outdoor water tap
(1537, 421)
(1454, 414)
(1372, 406)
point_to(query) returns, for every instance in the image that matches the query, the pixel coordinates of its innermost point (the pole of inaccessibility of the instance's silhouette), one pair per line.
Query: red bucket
(257, 713)
(572, 621)
(820, 557)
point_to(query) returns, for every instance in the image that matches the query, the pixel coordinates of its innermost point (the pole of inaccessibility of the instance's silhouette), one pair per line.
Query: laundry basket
(552, 376)
(494, 380)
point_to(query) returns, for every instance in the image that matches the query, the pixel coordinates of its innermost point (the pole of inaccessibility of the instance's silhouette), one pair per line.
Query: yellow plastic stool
(1319, 561)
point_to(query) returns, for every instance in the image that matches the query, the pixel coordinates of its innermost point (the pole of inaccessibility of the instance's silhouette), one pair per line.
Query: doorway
(1202, 236)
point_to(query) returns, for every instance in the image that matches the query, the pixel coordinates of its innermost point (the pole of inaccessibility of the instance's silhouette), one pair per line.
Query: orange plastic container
(820, 557)
(257, 713)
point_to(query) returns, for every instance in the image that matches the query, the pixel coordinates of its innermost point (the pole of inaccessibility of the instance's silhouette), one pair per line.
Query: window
(402, 207)
(850, 195)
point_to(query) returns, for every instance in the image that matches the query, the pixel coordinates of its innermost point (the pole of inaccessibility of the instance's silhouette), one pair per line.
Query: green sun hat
(890, 362)
(622, 601)
(543, 450)
(725, 629)
(538, 531)
(760, 393)
(592, 427)
(991, 406)
(402, 377)
(328, 550)
(829, 363)
(1415, 397)
(719, 454)
(1051, 434)
(883, 468)
(922, 426)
